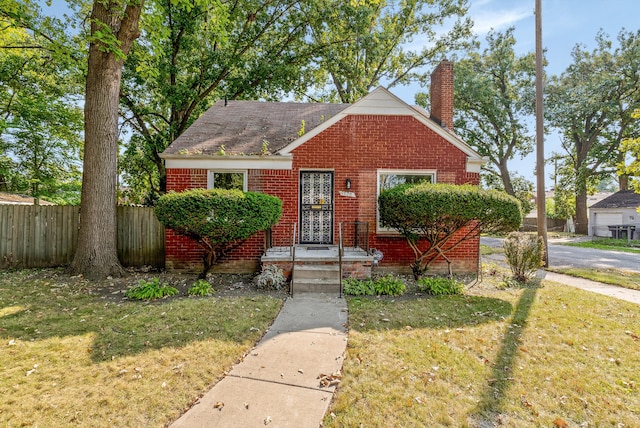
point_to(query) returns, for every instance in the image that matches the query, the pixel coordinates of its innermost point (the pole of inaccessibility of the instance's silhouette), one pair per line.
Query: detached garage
(616, 216)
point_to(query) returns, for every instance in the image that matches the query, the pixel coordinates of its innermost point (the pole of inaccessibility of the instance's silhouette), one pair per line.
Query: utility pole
(541, 205)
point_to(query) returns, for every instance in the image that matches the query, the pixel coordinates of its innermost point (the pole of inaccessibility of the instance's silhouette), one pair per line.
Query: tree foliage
(436, 218)
(494, 98)
(591, 104)
(375, 42)
(40, 121)
(191, 54)
(218, 220)
(631, 148)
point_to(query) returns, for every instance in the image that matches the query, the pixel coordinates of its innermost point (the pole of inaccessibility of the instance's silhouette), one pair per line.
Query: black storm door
(316, 207)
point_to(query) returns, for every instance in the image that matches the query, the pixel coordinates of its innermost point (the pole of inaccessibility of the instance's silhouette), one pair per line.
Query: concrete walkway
(279, 382)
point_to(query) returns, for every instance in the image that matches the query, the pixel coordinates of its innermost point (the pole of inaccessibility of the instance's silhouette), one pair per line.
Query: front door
(316, 207)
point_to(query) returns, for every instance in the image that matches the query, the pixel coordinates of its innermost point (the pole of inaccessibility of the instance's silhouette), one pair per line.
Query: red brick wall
(356, 147)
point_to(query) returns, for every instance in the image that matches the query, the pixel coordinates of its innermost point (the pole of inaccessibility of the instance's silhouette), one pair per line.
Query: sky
(565, 23)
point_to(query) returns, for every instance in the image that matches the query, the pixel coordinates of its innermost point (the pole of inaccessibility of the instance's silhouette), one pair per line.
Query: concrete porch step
(316, 271)
(313, 278)
(315, 286)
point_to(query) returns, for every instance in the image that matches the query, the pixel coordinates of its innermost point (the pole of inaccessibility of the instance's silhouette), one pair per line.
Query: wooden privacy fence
(45, 236)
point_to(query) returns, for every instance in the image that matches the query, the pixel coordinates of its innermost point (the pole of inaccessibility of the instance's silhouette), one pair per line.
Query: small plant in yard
(271, 278)
(523, 252)
(150, 290)
(200, 288)
(358, 287)
(386, 285)
(438, 286)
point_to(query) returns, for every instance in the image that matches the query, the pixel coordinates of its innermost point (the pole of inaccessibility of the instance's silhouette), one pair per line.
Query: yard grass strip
(517, 357)
(69, 357)
(622, 278)
(609, 245)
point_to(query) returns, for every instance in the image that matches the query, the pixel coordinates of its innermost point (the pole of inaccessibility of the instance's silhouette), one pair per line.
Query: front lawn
(549, 357)
(71, 357)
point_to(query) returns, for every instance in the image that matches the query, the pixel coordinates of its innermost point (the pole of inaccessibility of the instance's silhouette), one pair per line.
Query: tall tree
(591, 104)
(114, 27)
(494, 99)
(191, 54)
(375, 42)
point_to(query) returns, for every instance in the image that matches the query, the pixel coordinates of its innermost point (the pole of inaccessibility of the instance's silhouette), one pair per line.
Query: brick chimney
(441, 94)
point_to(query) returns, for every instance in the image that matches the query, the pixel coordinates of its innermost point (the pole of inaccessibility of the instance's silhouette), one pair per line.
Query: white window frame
(211, 172)
(426, 172)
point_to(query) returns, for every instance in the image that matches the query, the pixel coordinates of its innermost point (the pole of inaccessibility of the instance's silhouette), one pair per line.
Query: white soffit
(229, 162)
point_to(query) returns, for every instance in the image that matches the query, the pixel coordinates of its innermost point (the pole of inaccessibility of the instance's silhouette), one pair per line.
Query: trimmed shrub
(436, 212)
(524, 254)
(438, 286)
(150, 290)
(218, 220)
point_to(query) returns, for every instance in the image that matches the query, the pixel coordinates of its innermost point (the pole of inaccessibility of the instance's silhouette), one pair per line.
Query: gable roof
(382, 102)
(243, 126)
(620, 199)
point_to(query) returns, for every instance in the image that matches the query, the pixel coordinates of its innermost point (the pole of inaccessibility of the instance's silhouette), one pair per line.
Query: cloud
(497, 19)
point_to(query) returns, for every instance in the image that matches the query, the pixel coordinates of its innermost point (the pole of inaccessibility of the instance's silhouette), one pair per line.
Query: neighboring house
(618, 209)
(15, 199)
(328, 163)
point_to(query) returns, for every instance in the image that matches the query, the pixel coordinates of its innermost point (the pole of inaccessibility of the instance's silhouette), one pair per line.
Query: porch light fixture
(347, 183)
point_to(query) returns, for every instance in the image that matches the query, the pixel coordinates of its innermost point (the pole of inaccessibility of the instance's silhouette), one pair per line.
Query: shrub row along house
(328, 164)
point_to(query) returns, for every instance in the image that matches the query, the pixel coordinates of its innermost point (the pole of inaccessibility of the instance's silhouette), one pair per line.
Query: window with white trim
(227, 179)
(390, 178)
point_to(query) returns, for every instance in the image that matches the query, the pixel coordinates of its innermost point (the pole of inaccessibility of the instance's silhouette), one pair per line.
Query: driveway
(566, 256)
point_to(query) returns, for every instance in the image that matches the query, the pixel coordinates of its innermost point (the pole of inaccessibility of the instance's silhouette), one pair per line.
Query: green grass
(618, 277)
(610, 245)
(486, 250)
(69, 357)
(515, 357)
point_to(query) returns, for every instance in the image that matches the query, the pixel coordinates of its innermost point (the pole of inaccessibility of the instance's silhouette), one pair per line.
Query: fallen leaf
(330, 380)
(560, 423)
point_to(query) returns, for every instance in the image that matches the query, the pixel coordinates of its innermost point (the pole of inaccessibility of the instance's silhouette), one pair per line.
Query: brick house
(328, 163)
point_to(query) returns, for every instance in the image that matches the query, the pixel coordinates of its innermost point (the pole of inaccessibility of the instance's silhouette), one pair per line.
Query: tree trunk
(506, 178)
(582, 220)
(623, 182)
(96, 253)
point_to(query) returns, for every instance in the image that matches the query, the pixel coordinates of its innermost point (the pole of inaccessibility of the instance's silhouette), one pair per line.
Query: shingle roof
(621, 199)
(243, 126)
